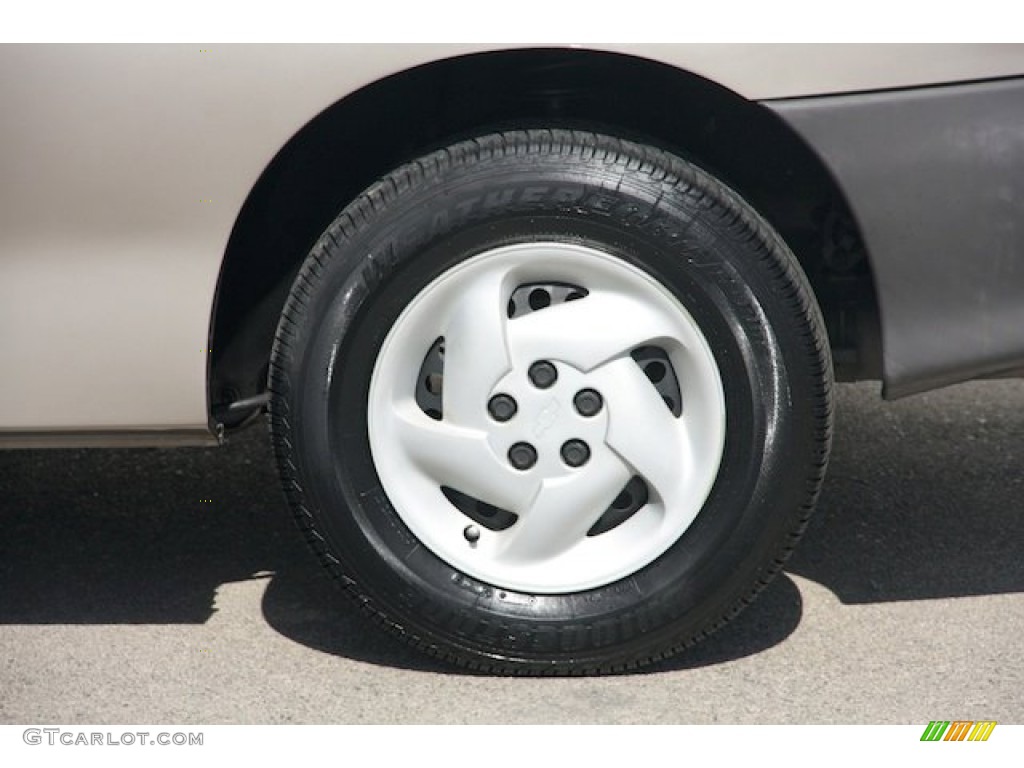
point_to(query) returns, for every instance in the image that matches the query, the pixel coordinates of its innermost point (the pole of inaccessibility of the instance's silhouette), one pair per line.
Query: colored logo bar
(958, 730)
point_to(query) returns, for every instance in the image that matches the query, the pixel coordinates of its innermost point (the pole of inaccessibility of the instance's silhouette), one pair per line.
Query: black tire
(646, 208)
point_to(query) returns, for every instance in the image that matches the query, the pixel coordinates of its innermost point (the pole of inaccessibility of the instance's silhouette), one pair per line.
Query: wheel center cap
(546, 419)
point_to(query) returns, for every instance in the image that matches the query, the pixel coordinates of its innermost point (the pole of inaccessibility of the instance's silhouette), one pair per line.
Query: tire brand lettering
(499, 198)
(439, 223)
(534, 194)
(602, 203)
(567, 194)
(466, 206)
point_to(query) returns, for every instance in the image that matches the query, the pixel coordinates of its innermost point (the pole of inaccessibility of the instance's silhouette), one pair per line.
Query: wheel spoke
(563, 511)
(588, 332)
(476, 354)
(642, 430)
(462, 459)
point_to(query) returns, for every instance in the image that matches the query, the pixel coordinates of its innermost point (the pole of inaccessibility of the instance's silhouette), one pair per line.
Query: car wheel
(551, 402)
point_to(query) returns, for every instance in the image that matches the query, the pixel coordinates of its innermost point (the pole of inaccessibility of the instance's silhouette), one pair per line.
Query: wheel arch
(346, 147)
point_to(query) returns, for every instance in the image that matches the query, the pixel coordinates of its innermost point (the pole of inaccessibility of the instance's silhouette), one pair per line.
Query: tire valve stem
(472, 534)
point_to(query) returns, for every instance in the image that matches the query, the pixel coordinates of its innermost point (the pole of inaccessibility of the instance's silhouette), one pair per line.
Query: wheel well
(344, 149)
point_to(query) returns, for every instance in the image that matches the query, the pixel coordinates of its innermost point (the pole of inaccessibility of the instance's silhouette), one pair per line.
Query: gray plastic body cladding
(935, 178)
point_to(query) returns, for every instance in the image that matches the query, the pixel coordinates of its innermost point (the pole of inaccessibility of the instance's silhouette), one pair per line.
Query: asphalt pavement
(170, 586)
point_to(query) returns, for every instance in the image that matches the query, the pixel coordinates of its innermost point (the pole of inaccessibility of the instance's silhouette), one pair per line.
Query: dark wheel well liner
(349, 145)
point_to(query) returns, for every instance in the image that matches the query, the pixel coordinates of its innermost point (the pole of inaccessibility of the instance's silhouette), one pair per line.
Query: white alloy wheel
(521, 449)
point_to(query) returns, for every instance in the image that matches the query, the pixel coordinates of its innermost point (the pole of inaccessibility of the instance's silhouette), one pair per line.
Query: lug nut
(472, 534)
(575, 453)
(588, 402)
(522, 456)
(543, 374)
(502, 407)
